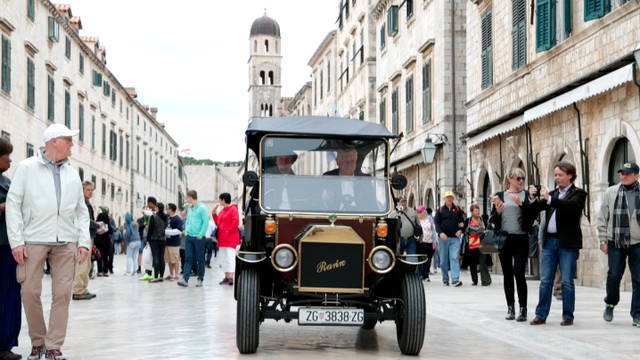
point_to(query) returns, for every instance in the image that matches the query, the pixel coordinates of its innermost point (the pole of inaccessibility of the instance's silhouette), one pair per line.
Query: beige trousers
(63, 263)
(81, 281)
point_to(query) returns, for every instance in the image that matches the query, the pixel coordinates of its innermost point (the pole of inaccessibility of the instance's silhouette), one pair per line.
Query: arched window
(270, 78)
(622, 153)
(262, 112)
(266, 46)
(428, 201)
(270, 110)
(486, 195)
(411, 199)
(262, 78)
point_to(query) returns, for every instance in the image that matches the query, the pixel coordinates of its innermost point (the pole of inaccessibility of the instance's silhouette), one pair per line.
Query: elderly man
(409, 219)
(81, 282)
(47, 217)
(562, 241)
(281, 194)
(449, 224)
(619, 234)
(349, 195)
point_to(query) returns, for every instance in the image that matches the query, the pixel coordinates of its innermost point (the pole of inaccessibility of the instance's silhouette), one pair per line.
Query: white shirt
(347, 189)
(212, 227)
(552, 227)
(285, 205)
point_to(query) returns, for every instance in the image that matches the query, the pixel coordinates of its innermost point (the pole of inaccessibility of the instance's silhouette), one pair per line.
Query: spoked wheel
(248, 312)
(411, 315)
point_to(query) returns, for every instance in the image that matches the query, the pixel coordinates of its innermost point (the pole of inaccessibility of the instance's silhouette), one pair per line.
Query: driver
(350, 195)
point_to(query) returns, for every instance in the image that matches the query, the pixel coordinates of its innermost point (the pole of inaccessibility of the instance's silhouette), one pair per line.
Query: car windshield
(301, 174)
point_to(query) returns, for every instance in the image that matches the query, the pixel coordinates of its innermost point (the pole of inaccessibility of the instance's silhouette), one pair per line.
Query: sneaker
(636, 321)
(36, 353)
(139, 271)
(146, 277)
(230, 283)
(608, 313)
(54, 355)
(127, 274)
(182, 282)
(208, 266)
(199, 283)
(445, 283)
(456, 283)
(9, 355)
(224, 281)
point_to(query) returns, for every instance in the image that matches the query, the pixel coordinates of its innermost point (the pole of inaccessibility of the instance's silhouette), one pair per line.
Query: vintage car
(321, 232)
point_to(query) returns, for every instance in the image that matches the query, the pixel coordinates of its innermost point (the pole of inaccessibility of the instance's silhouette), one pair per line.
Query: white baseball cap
(56, 131)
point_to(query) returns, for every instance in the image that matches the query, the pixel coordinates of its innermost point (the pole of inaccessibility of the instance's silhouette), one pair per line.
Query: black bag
(157, 233)
(417, 229)
(492, 241)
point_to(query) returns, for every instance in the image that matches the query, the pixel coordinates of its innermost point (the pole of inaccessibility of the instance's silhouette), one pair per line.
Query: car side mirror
(250, 178)
(398, 182)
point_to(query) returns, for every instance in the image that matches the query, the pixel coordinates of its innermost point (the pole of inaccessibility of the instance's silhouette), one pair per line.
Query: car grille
(331, 267)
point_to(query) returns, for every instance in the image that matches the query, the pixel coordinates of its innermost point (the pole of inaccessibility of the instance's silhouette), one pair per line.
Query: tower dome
(265, 26)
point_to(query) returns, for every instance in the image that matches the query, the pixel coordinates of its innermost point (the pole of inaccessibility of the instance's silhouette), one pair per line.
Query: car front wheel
(411, 315)
(248, 312)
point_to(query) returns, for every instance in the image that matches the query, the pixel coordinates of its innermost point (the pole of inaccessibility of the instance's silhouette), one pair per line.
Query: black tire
(411, 315)
(369, 324)
(248, 312)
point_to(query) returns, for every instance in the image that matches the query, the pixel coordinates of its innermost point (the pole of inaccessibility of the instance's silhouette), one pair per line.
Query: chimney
(154, 112)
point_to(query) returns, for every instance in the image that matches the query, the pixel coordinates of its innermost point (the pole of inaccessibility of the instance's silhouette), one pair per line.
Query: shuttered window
(51, 107)
(81, 121)
(546, 26)
(519, 34)
(81, 61)
(487, 51)
(426, 92)
(383, 37)
(409, 104)
(394, 111)
(31, 9)
(383, 112)
(31, 85)
(392, 20)
(595, 9)
(67, 109)
(97, 79)
(6, 65)
(67, 47)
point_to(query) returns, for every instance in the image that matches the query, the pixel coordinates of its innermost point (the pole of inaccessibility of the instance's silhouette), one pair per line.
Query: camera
(538, 187)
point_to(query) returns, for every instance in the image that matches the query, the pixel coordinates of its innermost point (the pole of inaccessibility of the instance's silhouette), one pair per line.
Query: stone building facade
(558, 87)
(52, 75)
(265, 70)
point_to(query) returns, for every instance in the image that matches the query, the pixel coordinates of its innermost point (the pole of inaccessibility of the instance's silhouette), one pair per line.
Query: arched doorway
(621, 153)
(486, 195)
(411, 200)
(428, 201)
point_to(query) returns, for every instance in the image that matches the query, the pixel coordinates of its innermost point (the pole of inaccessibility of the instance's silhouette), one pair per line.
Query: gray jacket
(605, 216)
(407, 222)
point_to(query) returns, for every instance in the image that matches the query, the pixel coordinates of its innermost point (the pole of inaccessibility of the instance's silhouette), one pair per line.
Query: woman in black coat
(103, 243)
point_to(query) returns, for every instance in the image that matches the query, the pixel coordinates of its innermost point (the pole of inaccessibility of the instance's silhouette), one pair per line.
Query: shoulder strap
(405, 214)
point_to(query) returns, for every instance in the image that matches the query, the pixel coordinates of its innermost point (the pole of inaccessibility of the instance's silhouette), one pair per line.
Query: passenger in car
(280, 196)
(350, 195)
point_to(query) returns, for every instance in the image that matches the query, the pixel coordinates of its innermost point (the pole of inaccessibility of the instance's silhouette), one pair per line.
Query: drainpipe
(453, 94)
(635, 78)
(584, 160)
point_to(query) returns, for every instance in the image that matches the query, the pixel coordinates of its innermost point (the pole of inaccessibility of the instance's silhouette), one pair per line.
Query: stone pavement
(136, 320)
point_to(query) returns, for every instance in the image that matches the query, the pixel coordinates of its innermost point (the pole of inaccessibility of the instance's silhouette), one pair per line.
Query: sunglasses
(518, 179)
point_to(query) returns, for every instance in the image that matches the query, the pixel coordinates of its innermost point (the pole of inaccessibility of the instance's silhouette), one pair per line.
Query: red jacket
(228, 221)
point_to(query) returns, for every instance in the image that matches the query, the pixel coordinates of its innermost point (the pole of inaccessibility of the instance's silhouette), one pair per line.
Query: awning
(590, 89)
(414, 160)
(500, 129)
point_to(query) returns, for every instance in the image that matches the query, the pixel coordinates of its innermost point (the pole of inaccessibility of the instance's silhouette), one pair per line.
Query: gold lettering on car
(324, 267)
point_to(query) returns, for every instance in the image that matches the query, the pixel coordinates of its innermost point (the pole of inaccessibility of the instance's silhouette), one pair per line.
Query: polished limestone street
(131, 319)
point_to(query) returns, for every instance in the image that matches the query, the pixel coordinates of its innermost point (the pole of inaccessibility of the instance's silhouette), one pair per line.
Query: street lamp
(139, 202)
(119, 195)
(428, 151)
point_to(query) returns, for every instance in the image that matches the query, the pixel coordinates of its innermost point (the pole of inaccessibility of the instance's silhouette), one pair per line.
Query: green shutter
(81, 122)
(67, 109)
(426, 92)
(567, 16)
(519, 34)
(81, 64)
(595, 9)
(97, 79)
(31, 9)
(409, 104)
(546, 26)
(382, 111)
(6, 65)
(51, 100)
(31, 94)
(487, 51)
(67, 47)
(394, 111)
(392, 21)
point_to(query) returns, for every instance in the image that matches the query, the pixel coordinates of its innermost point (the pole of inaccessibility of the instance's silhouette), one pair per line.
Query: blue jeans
(409, 245)
(552, 255)
(617, 264)
(449, 254)
(194, 248)
(132, 257)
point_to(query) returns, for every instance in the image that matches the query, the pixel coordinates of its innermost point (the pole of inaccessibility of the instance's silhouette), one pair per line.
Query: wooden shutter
(487, 51)
(51, 104)
(383, 106)
(394, 111)
(519, 34)
(426, 92)
(31, 95)
(409, 104)
(546, 26)
(595, 9)
(81, 121)
(6, 65)
(31, 9)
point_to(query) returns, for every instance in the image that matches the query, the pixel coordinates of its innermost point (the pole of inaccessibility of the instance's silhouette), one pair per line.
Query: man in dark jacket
(449, 224)
(355, 194)
(81, 281)
(562, 241)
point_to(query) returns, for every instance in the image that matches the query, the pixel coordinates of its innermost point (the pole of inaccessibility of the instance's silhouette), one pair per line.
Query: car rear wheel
(411, 315)
(248, 312)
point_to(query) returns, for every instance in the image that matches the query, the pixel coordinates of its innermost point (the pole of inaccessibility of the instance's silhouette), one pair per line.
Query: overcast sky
(189, 59)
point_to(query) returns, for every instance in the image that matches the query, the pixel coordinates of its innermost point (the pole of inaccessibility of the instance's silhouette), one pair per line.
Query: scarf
(621, 229)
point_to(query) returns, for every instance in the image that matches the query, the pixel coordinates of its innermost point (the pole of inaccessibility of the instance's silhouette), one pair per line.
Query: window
(426, 92)
(346, 9)
(6, 135)
(113, 191)
(595, 9)
(321, 84)
(180, 171)
(353, 59)
(31, 84)
(392, 20)
(106, 88)
(54, 30)
(104, 187)
(546, 24)
(93, 131)
(121, 108)
(137, 157)
(328, 76)
(266, 46)
(30, 150)
(383, 111)
(271, 82)
(361, 46)
(81, 61)
(81, 121)
(409, 104)
(361, 116)
(94, 180)
(127, 113)
(81, 173)
(409, 8)
(31, 9)
(519, 33)
(97, 79)
(394, 111)
(622, 153)
(121, 150)
(51, 99)
(383, 37)
(67, 109)
(341, 74)
(487, 51)
(346, 60)
(315, 92)
(6, 65)
(67, 47)
(113, 146)
(263, 79)
(138, 120)
(340, 16)
(144, 168)
(104, 139)
(113, 98)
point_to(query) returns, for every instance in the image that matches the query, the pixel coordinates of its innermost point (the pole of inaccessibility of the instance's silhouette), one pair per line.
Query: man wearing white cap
(47, 218)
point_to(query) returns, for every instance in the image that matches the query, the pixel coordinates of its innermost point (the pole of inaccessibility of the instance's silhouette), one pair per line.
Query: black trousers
(104, 261)
(427, 249)
(477, 258)
(513, 259)
(157, 251)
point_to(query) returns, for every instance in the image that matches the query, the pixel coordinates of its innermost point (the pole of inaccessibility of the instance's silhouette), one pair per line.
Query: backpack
(159, 225)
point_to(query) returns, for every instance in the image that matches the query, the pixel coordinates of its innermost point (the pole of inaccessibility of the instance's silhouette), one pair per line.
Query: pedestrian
(211, 244)
(117, 241)
(103, 242)
(449, 226)
(427, 241)
(476, 258)
(157, 240)
(172, 250)
(10, 302)
(81, 280)
(228, 221)
(131, 237)
(562, 241)
(112, 248)
(408, 221)
(57, 228)
(195, 230)
(619, 235)
(515, 214)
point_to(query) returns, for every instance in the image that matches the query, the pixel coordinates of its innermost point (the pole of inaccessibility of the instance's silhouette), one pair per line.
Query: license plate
(315, 316)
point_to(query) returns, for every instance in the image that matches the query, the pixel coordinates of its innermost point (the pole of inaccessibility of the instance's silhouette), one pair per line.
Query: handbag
(417, 229)
(492, 241)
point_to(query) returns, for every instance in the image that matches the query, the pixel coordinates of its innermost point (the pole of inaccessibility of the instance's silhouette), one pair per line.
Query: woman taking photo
(427, 242)
(514, 212)
(473, 253)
